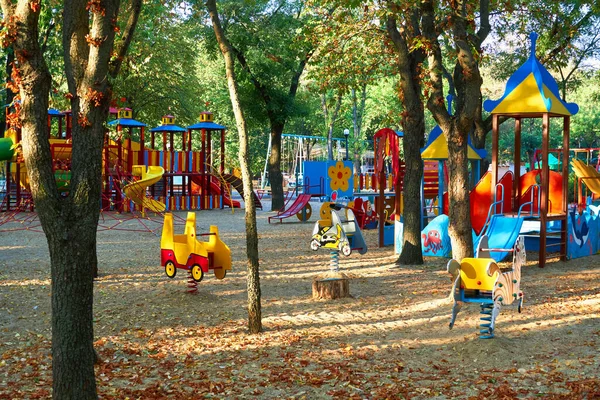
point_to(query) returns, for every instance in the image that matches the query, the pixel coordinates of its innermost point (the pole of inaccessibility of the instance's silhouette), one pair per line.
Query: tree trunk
(68, 235)
(413, 123)
(253, 279)
(458, 195)
(71, 243)
(478, 138)
(70, 223)
(414, 129)
(357, 116)
(275, 177)
(332, 287)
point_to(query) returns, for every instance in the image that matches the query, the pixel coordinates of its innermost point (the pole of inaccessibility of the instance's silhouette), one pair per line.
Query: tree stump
(331, 286)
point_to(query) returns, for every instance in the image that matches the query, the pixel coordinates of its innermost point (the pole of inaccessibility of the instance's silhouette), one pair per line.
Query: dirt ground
(390, 340)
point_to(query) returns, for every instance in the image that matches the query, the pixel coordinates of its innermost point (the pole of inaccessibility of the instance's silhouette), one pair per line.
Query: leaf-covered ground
(391, 340)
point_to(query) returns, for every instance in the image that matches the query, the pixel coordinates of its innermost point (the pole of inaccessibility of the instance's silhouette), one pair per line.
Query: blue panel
(314, 171)
(584, 234)
(206, 125)
(435, 241)
(128, 122)
(168, 128)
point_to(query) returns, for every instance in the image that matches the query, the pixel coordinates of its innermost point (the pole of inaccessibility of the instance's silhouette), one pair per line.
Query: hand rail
(533, 190)
(493, 207)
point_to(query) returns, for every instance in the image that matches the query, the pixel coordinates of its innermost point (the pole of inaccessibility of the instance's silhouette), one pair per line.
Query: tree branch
(46, 36)
(262, 90)
(115, 65)
(565, 41)
(435, 101)
(484, 22)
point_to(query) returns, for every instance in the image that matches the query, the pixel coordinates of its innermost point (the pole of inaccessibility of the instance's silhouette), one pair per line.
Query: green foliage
(350, 47)
(158, 75)
(569, 34)
(585, 126)
(269, 37)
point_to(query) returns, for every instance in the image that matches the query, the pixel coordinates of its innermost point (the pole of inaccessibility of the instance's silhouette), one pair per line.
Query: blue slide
(501, 234)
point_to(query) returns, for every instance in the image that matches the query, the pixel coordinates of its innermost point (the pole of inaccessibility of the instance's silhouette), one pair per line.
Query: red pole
(222, 164)
(142, 142)
(203, 204)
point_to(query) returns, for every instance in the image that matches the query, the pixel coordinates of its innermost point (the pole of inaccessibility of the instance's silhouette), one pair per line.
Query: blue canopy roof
(206, 125)
(127, 122)
(168, 128)
(54, 111)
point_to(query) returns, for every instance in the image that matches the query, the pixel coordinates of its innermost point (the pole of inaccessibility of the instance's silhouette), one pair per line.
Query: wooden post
(515, 194)
(544, 189)
(495, 126)
(565, 188)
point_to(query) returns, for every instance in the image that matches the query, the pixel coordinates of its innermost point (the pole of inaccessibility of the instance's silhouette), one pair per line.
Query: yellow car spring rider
(187, 252)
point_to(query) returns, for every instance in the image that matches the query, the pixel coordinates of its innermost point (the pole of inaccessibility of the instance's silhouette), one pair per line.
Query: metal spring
(334, 264)
(191, 283)
(486, 320)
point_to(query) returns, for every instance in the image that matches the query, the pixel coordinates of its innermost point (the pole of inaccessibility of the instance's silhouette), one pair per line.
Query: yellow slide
(588, 174)
(136, 191)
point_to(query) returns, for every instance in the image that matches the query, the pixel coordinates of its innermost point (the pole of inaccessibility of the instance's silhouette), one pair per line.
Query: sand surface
(390, 340)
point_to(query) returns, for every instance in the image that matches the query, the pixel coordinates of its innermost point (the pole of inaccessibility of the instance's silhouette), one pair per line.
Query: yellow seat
(474, 274)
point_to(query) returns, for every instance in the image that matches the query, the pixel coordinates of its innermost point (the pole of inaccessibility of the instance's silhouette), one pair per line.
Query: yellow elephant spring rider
(480, 280)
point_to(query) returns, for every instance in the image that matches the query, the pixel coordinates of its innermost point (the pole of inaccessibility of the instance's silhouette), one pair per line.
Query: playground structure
(188, 253)
(386, 144)
(531, 92)
(504, 205)
(296, 150)
(188, 180)
(480, 280)
(301, 208)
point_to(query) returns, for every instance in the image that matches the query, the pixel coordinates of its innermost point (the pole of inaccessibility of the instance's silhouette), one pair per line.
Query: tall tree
(253, 279)
(267, 41)
(70, 222)
(467, 81)
(354, 30)
(403, 30)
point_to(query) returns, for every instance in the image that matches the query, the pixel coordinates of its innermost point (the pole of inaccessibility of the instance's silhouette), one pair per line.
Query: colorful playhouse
(540, 195)
(533, 205)
(138, 173)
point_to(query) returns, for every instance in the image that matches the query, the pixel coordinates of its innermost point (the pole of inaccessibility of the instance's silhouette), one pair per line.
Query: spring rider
(338, 233)
(480, 280)
(188, 253)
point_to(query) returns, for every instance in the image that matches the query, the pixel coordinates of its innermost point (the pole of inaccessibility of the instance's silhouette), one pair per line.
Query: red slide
(215, 188)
